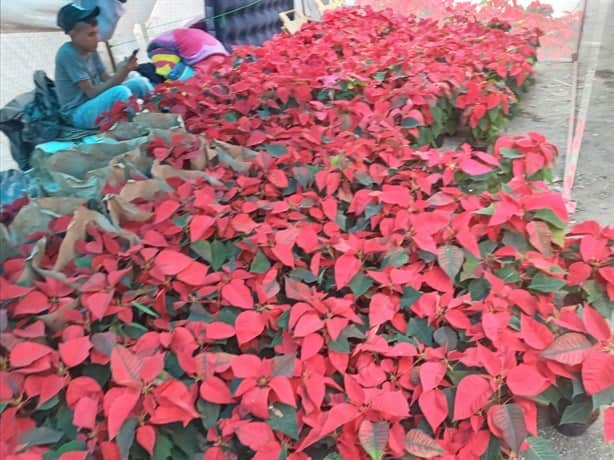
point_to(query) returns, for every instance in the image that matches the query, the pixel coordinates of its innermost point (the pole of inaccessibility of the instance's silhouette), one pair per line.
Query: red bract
(262, 377)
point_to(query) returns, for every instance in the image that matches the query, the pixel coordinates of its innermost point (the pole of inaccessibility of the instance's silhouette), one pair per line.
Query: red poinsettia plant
(297, 308)
(360, 71)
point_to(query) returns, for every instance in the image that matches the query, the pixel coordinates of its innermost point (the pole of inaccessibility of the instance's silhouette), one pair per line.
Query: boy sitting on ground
(84, 88)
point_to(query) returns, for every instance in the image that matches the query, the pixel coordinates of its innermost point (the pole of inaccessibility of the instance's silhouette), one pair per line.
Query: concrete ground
(546, 109)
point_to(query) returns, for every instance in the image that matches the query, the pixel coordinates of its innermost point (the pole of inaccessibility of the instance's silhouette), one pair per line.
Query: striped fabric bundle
(175, 53)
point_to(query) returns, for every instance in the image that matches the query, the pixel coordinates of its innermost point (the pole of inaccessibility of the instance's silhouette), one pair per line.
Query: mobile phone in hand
(134, 53)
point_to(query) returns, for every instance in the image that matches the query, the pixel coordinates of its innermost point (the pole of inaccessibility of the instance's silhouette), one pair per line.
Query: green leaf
(40, 436)
(469, 267)
(219, 254)
(598, 298)
(50, 404)
(83, 262)
(125, 438)
(450, 393)
(372, 210)
(360, 284)
(487, 247)
(426, 256)
(457, 375)
(341, 221)
(445, 336)
(302, 274)
(71, 446)
(303, 175)
(604, 398)
(134, 330)
(516, 240)
(397, 258)
(540, 449)
(450, 259)
(488, 211)
(283, 365)
(380, 76)
(508, 274)
(373, 438)
(162, 448)
(493, 114)
(260, 264)
(578, 411)
(494, 450)
(342, 344)
(420, 329)
(276, 150)
(231, 116)
(185, 439)
(63, 422)
(282, 418)
(202, 248)
(547, 215)
(229, 315)
(551, 396)
(181, 221)
(145, 309)
(438, 114)
(364, 179)
(98, 372)
(214, 253)
(410, 296)
(284, 320)
(509, 418)
(209, 413)
(510, 153)
(199, 314)
(410, 122)
(171, 364)
(546, 284)
(514, 323)
(479, 289)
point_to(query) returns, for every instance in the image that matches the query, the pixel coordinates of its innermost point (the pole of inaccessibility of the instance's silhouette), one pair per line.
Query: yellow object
(331, 5)
(292, 26)
(164, 63)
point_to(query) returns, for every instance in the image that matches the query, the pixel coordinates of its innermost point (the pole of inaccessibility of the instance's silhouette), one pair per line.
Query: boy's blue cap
(70, 15)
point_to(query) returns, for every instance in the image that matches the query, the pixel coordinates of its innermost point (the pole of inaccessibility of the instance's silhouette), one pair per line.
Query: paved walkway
(545, 109)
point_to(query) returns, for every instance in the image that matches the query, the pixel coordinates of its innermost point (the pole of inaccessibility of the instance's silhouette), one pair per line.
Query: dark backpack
(34, 118)
(41, 117)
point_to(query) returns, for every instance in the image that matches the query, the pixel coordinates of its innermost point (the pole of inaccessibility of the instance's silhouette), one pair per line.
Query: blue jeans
(86, 114)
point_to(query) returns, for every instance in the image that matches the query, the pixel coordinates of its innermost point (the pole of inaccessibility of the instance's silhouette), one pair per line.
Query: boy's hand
(133, 62)
(128, 65)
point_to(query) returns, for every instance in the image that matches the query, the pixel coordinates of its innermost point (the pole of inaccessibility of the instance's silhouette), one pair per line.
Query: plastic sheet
(245, 22)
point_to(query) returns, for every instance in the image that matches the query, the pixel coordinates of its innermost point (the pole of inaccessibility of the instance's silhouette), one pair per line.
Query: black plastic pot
(571, 429)
(479, 146)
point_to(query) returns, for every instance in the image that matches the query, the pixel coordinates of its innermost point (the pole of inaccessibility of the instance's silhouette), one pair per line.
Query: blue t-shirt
(72, 67)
